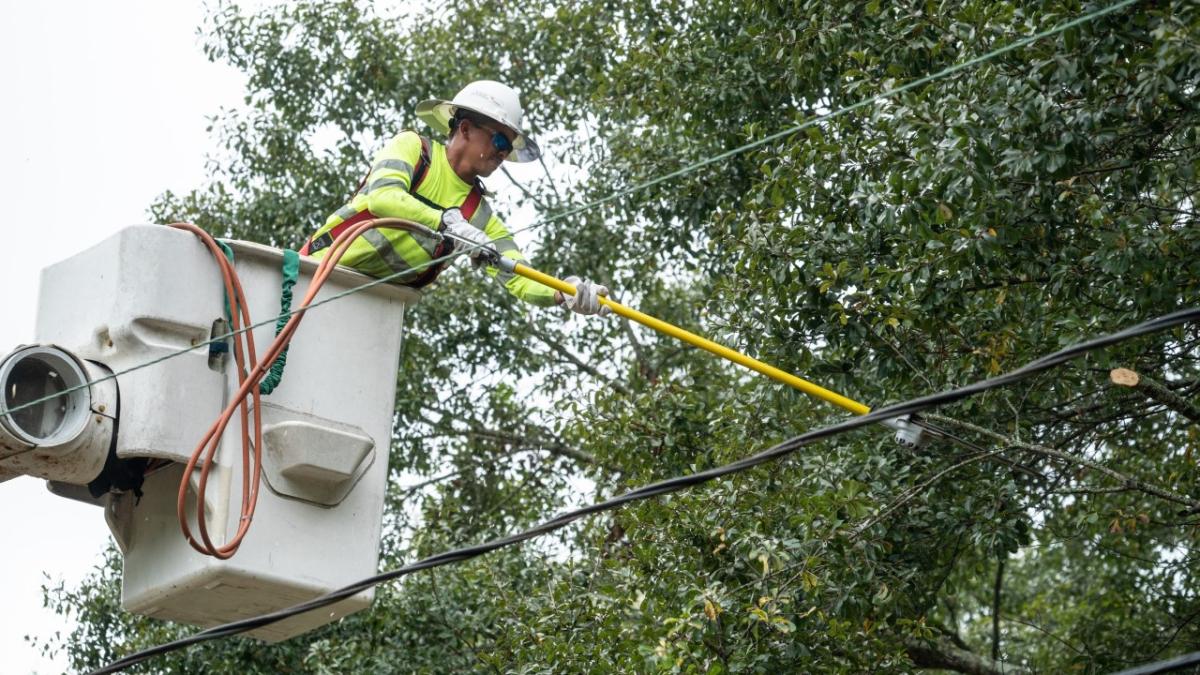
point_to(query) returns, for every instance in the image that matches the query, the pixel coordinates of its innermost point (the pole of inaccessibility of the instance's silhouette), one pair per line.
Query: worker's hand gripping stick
(478, 244)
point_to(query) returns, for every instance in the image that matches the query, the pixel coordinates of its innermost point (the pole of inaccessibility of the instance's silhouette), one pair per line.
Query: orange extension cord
(202, 456)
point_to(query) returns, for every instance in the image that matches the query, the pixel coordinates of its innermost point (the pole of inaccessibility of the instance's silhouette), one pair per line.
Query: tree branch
(639, 350)
(579, 363)
(946, 632)
(416, 487)
(550, 179)
(554, 448)
(531, 442)
(1156, 390)
(912, 492)
(942, 654)
(996, 610)
(528, 195)
(1128, 481)
(1061, 641)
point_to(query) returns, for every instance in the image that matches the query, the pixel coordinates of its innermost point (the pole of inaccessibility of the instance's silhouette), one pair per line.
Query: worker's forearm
(395, 202)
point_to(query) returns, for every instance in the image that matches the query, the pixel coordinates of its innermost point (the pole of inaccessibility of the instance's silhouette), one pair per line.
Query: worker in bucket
(439, 186)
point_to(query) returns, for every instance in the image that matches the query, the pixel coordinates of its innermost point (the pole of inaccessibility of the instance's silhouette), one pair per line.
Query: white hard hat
(488, 98)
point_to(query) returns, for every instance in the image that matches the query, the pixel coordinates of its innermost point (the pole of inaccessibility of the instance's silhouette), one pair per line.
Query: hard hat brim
(437, 113)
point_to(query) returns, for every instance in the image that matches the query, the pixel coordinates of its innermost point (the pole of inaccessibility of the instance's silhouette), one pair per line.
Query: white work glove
(587, 297)
(454, 223)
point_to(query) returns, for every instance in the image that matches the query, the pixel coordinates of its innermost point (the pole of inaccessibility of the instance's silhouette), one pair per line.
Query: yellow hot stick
(697, 341)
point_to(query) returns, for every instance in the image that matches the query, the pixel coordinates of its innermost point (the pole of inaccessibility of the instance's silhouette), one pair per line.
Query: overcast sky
(105, 107)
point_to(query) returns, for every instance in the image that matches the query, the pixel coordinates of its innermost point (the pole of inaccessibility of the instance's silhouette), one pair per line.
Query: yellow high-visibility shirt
(384, 251)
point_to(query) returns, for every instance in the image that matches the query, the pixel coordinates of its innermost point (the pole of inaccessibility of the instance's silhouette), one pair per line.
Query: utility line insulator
(907, 434)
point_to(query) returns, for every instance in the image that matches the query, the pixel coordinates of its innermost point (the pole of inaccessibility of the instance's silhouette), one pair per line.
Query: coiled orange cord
(202, 456)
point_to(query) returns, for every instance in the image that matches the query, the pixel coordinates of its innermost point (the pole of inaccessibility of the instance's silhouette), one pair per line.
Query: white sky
(105, 106)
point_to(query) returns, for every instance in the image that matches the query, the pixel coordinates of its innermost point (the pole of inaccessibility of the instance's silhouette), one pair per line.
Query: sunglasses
(499, 141)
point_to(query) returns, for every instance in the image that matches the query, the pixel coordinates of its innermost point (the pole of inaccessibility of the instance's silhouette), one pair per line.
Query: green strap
(228, 256)
(220, 348)
(291, 269)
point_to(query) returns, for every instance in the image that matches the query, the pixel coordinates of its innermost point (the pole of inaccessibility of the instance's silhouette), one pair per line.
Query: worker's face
(487, 145)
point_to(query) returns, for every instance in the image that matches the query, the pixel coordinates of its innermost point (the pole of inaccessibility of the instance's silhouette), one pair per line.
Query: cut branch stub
(1157, 391)
(1124, 377)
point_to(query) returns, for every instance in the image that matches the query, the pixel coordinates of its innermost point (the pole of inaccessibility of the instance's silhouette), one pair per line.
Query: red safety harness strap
(469, 206)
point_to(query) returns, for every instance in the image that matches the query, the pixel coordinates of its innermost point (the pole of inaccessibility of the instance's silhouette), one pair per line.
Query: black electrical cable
(783, 449)
(461, 250)
(1168, 666)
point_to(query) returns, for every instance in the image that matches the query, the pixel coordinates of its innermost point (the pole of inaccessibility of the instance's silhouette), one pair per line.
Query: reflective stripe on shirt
(385, 182)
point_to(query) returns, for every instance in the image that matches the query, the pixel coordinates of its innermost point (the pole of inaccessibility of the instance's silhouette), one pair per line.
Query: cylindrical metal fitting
(64, 437)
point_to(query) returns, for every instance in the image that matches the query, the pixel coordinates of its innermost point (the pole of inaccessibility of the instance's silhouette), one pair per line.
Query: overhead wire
(675, 484)
(868, 418)
(202, 456)
(464, 250)
(1171, 665)
(945, 72)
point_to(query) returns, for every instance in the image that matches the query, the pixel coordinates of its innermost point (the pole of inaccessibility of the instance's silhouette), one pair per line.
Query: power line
(670, 485)
(1167, 666)
(226, 336)
(945, 72)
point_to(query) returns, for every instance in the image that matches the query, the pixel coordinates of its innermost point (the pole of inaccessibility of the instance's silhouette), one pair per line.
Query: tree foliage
(929, 240)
